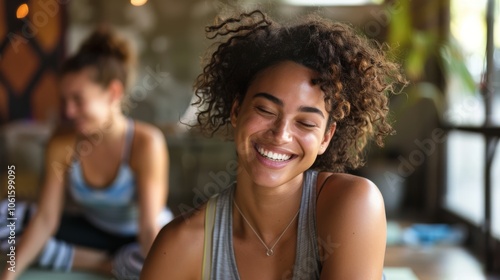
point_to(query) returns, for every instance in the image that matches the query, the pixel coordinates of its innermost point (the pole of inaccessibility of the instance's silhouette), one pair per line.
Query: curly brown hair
(353, 73)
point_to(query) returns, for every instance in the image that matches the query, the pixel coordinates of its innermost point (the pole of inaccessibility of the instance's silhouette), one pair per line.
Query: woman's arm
(46, 219)
(177, 251)
(351, 228)
(151, 166)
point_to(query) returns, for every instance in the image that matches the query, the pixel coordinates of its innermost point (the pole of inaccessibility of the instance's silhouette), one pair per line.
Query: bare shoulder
(349, 207)
(148, 143)
(61, 146)
(347, 189)
(177, 251)
(147, 134)
(351, 222)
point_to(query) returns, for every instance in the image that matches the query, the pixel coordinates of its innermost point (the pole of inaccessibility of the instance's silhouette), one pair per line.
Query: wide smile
(273, 155)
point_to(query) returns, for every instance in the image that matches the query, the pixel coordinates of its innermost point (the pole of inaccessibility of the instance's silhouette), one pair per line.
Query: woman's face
(280, 125)
(87, 103)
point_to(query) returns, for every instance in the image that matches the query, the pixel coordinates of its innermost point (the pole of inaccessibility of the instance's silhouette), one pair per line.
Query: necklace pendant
(269, 252)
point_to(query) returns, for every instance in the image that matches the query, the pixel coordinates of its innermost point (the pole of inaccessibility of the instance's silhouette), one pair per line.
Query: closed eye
(308, 125)
(264, 111)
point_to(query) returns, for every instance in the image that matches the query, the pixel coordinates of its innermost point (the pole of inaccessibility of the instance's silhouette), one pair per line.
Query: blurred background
(439, 175)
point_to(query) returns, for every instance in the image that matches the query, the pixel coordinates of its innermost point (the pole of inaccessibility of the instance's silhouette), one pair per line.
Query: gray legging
(127, 263)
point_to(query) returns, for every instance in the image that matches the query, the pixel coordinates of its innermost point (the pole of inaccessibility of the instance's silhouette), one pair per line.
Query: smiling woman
(274, 133)
(300, 102)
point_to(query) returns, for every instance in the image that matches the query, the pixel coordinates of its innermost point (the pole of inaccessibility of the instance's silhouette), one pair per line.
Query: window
(468, 35)
(465, 175)
(495, 203)
(474, 121)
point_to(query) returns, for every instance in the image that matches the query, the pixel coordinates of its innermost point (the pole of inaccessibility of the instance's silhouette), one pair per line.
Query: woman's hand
(9, 275)
(45, 221)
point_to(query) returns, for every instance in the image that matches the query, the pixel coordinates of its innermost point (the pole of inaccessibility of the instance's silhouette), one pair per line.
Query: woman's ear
(116, 90)
(327, 138)
(234, 112)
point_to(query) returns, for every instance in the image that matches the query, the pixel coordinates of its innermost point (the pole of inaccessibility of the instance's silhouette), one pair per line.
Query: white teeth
(273, 156)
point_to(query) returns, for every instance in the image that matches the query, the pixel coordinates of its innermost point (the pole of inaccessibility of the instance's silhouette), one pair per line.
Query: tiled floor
(436, 263)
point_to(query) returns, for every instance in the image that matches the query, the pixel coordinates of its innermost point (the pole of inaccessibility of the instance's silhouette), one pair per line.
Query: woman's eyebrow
(307, 109)
(279, 102)
(269, 97)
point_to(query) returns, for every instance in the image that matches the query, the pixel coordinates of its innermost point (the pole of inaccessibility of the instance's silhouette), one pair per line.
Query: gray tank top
(307, 262)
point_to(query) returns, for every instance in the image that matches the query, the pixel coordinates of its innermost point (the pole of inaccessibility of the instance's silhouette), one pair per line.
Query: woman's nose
(281, 131)
(70, 110)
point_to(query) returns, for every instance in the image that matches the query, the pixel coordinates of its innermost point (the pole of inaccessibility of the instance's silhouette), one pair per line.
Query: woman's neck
(267, 209)
(111, 131)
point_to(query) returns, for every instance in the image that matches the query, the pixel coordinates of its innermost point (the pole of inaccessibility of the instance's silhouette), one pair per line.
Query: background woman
(115, 169)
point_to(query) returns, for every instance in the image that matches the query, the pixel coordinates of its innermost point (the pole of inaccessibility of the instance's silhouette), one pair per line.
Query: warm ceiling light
(138, 2)
(22, 11)
(331, 2)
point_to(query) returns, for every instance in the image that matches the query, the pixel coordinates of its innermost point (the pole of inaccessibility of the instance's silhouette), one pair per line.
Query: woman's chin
(82, 127)
(268, 178)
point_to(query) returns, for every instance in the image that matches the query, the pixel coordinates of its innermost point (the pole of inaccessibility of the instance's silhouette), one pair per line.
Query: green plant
(415, 47)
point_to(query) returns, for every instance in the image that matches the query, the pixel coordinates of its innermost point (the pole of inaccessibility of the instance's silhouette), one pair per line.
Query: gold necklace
(269, 251)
